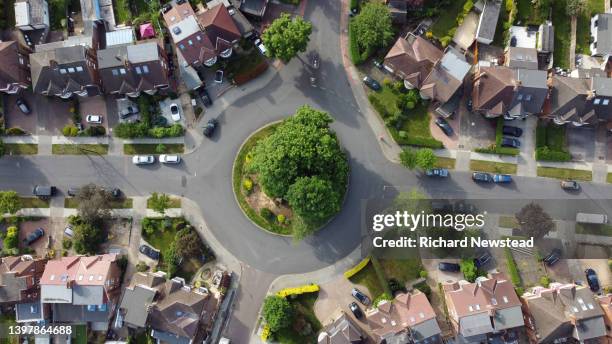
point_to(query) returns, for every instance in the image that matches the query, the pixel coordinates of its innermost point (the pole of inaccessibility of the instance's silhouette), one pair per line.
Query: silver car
(169, 159)
(143, 159)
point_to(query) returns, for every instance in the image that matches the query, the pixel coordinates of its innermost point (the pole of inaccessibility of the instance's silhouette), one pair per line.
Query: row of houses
(82, 290)
(487, 311)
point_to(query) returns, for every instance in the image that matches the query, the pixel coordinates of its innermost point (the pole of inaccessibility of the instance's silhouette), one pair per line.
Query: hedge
(512, 268)
(311, 288)
(494, 149)
(252, 74)
(354, 5)
(265, 333)
(356, 56)
(355, 269)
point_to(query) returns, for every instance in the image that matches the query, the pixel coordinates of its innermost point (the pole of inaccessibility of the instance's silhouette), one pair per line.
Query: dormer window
(62, 71)
(122, 71)
(597, 101)
(79, 69)
(138, 70)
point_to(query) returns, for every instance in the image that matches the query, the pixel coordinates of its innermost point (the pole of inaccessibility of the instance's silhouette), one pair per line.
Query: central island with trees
(290, 177)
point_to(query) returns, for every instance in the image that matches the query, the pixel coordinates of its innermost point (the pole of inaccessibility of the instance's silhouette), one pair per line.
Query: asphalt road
(205, 175)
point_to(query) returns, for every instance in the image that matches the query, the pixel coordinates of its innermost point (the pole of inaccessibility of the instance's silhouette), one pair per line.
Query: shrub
(277, 312)
(280, 218)
(423, 274)
(356, 57)
(310, 288)
(354, 5)
(266, 214)
(247, 184)
(610, 264)
(197, 111)
(130, 130)
(66, 243)
(15, 131)
(395, 286)
(545, 281)
(424, 288)
(70, 130)
(512, 269)
(444, 41)
(362, 264)
(468, 268)
(142, 267)
(96, 130)
(160, 148)
(11, 240)
(382, 297)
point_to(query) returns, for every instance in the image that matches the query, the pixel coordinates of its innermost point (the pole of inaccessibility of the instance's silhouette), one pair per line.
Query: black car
(450, 267)
(35, 235)
(361, 297)
(512, 131)
(443, 124)
(553, 257)
(210, 127)
(149, 252)
(482, 259)
(204, 97)
(23, 106)
(371, 83)
(115, 192)
(354, 307)
(482, 177)
(43, 192)
(510, 142)
(592, 279)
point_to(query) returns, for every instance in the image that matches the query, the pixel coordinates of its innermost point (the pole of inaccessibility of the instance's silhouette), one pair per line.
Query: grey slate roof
(112, 57)
(602, 86)
(87, 295)
(134, 305)
(474, 325)
(546, 37)
(526, 58)
(254, 7)
(507, 318)
(488, 19)
(28, 311)
(169, 338)
(425, 330)
(65, 312)
(604, 33)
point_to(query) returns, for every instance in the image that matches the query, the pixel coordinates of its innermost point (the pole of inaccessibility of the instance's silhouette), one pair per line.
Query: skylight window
(597, 101)
(528, 97)
(493, 301)
(412, 319)
(505, 299)
(91, 277)
(477, 307)
(190, 42)
(605, 102)
(422, 315)
(122, 71)
(590, 305)
(198, 37)
(575, 309)
(471, 308)
(71, 70)
(52, 277)
(520, 96)
(62, 71)
(145, 69)
(138, 70)
(79, 69)
(115, 72)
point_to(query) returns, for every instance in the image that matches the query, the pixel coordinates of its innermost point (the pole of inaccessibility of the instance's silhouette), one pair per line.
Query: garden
(290, 177)
(289, 316)
(151, 123)
(551, 143)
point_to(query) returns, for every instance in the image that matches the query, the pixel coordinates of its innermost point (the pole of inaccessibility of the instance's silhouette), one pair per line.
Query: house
(15, 71)
(601, 35)
(512, 93)
(605, 301)
(446, 77)
(82, 289)
(580, 101)
(524, 58)
(254, 8)
(31, 15)
(133, 69)
(484, 309)
(19, 287)
(242, 23)
(341, 330)
(407, 318)
(562, 312)
(411, 59)
(488, 21)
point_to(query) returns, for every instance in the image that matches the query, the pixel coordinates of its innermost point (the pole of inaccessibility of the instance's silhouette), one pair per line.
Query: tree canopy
(93, 204)
(575, 7)
(423, 158)
(9, 202)
(286, 37)
(188, 243)
(373, 27)
(534, 221)
(278, 312)
(87, 238)
(313, 199)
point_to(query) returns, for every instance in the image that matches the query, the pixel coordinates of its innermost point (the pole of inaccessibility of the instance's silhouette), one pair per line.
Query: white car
(174, 112)
(69, 231)
(95, 119)
(262, 48)
(169, 159)
(143, 159)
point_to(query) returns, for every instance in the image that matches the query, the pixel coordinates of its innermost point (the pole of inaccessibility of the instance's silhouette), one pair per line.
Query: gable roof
(219, 26)
(139, 296)
(525, 58)
(412, 58)
(341, 331)
(11, 71)
(446, 76)
(488, 20)
(15, 273)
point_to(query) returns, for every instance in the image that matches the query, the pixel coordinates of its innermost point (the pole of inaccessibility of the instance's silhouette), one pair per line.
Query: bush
(160, 148)
(362, 264)
(395, 286)
(70, 131)
(11, 240)
(266, 214)
(142, 267)
(277, 312)
(66, 243)
(130, 130)
(96, 130)
(15, 131)
(545, 281)
(280, 218)
(423, 274)
(160, 132)
(493, 149)
(354, 5)
(512, 269)
(546, 154)
(382, 297)
(468, 268)
(356, 57)
(247, 184)
(424, 288)
(310, 288)
(198, 111)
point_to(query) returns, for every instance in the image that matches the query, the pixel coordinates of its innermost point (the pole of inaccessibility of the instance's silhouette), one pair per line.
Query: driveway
(431, 266)
(581, 143)
(476, 130)
(54, 114)
(451, 142)
(93, 106)
(27, 227)
(15, 118)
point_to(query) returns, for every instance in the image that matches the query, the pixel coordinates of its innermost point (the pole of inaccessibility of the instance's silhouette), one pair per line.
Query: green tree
(1, 147)
(277, 312)
(87, 238)
(11, 241)
(534, 221)
(9, 202)
(426, 159)
(372, 27)
(469, 270)
(188, 243)
(575, 7)
(286, 37)
(94, 204)
(408, 158)
(313, 199)
(159, 202)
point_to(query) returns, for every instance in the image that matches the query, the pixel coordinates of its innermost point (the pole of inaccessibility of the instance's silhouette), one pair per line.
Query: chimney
(53, 64)
(517, 84)
(69, 284)
(591, 94)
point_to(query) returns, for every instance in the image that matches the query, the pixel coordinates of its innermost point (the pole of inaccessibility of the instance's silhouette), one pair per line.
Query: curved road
(205, 175)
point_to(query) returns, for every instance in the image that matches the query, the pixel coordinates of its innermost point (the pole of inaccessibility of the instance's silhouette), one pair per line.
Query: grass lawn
(8, 320)
(367, 277)
(20, 148)
(561, 23)
(609, 178)
(245, 63)
(583, 25)
(506, 221)
(125, 203)
(442, 162)
(492, 167)
(564, 173)
(403, 270)
(165, 148)
(303, 306)
(528, 14)
(447, 19)
(174, 203)
(122, 11)
(498, 40)
(79, 333)
(79, 149)
(33, 202)
(593, 229)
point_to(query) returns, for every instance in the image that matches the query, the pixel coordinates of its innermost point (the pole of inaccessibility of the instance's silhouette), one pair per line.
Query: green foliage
(188, 243)
(160, 132)
(545, 281)
(266, 214)
(70, 130)
(280, 218)
(575, 7)
(11, 240)
(94, 204)
(546, 154)
(159, 202)
(408, 158)
(513, 269)
(277, 312)
(247, 184)
(160, 148)
(469, 270)
(15, 131)
(142, 267)
(356, 56)
(372, 27)
(286, 37)
(66, 243)
(131, 130)
(10, 202)
(425, 158)
(2, 149)
(534, 221)
(382, 297)
(445, 41)
(87, 238)
(313, 199)
(551, 143)
(424, 288)
(96, 130)
(354, 5)
(423, 274)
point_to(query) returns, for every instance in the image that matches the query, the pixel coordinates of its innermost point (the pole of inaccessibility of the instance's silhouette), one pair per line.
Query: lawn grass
(443, 162)
(403, 270)
(8, 320)
(20, 148)
(79, 149)
(143, 148)
(564, 173)
(174, 203)
(493, 167)
(447, 19)
(551, 143)
(79, 334)
(583, 25)
(507, 221)
(367, 277)
(609, 178)
(122, 11)
(34, 202)
(593, 229)
(561, 22)
(244, 63)
(303, 306)
(125, 203)
(528, 14)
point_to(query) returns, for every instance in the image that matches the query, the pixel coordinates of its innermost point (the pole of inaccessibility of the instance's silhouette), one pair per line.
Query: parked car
(482, 177)
(449, 267)
(262, 48)
(502, 178)
(143, 159)
(204, 97)
(169, 159)
(69, 231)
(42, 191)
(571, 185)
(115, 192)
(23, 106)
(553, 257)
(443, 124)
(510, 142)
(437, 172)
(160, 121)
(73, 191)
(35, 235)
(592, 279)
(482, 259)
(361, 297)
(512, 131)
(371, 83)
(219, 76)
(93, 119)
(210, 127)
(174, 112)
(128, 111)
(149, 251)
(354, 307)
